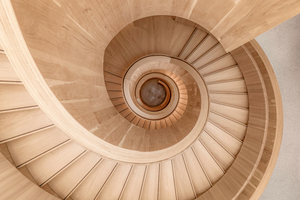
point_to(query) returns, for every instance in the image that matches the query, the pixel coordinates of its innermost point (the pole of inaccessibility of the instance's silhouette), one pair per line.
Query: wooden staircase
(53, 159)
(67, 169)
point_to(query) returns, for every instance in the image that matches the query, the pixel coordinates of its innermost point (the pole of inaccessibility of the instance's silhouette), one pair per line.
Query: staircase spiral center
(153, 93)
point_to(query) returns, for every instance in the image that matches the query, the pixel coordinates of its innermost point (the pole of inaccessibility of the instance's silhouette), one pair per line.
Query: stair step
(187, 42)
(202, 48)
(14, 96)
(7, 72)
(240, 115)
(198, 176)
(193, 43)
(237, 86)
(236, 129)
(180, 36)
(151, 182)
(23, 188)
(22, 123)
(19, 109)
(47, 167)
(222, 156)
(227, 141)
(28, 148)
(94, 182)
(215, 52)
(65, 182)
(184, 187)
(219, 63)
(133, 187)
(166, 181)
(240, 100)
(112, 78)
(115, 183)
(233, 72)
(212, 169)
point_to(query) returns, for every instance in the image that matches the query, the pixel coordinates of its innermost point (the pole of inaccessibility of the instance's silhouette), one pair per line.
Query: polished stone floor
(282, 46)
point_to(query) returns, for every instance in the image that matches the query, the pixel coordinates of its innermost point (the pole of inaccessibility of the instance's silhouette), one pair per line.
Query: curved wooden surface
(213, 166)
(270, 154)
(58, 114)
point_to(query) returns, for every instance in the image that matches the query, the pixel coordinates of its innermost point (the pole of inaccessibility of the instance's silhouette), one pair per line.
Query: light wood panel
(237, 86)
(7, 73)
(225, 74)
(194, 40)
(217, 64)
(213, 170)
(30, 147)
(95, 181)
(132, 190)
(166, 181)
(216, 195)
(229, 142)
(199, 178)
(17, 186)
(236, 129)
(238, 114)
(116, 182)
(50, 165)
(20, 123)
(182, 179)
(66, 182)
(214, 53)
(11, 95)
(202, 48)
(252, 18)
(240, 100)
(151, 184)
(219, 152)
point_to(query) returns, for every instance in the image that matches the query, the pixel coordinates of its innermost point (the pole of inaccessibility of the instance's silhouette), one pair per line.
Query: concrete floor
(282, 46)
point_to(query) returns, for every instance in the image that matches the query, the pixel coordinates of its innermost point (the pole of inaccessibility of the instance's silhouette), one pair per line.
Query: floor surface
(282, 46)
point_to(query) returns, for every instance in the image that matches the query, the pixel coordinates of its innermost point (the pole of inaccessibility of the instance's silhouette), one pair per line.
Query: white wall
(282, 46)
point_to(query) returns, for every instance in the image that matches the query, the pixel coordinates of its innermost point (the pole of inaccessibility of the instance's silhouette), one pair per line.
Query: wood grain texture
(53, 163)
(18, 186)
(7, 73)
(243, 177)
(72, 32)
(95, 181)
(30, 147)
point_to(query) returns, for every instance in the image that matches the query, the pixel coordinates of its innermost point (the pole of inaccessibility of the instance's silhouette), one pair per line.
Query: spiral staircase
(75, 126)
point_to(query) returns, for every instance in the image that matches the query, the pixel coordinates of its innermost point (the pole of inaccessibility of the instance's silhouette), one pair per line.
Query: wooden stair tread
(166, 181)
(51, 164)
(94, 182)
(134, 185)
(26, 148)
(184, 187)
(115, 183)
(7, 72)
(192, 44)
(221, 154)
(231, 144)
(212, 169)
(151, 183)
(20, 123)
(208, 43)
(66, 181)
(240, 115)
(198, 176)
(14, 96)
